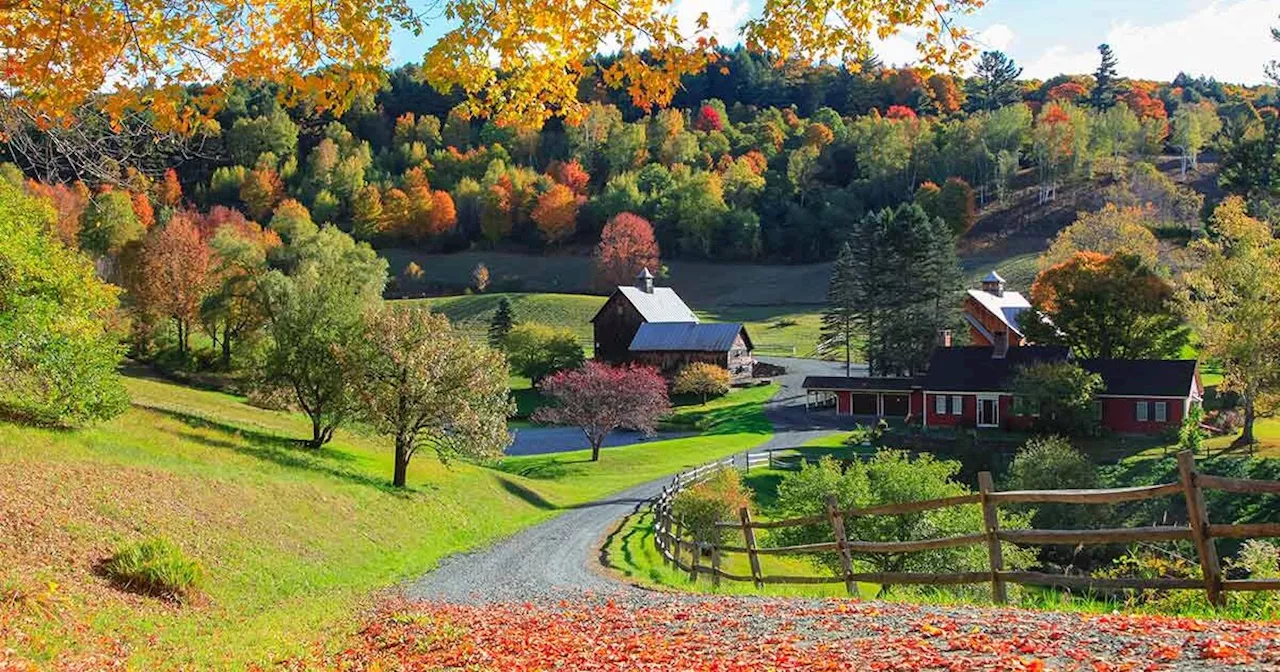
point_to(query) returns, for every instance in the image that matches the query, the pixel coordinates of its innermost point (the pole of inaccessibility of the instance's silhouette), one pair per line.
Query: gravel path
(561, 556)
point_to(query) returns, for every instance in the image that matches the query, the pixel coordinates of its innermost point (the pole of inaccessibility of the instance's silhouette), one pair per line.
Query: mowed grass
(727, 425)
(786, 330)
(292, 542)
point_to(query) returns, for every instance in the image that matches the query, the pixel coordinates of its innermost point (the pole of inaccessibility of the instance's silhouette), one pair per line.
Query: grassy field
(776, 330)
(293, 542)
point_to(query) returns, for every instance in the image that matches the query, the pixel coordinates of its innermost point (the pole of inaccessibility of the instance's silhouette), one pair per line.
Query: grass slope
(292, 541)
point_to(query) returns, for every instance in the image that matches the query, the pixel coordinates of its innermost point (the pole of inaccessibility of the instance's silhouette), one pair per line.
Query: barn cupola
(993, 284)
(644, 281)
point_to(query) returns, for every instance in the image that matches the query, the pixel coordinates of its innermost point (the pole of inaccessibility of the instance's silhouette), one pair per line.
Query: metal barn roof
(663, 305)
(687, 336)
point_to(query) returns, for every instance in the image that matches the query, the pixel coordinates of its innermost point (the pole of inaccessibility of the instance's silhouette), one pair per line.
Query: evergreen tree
(995, 83)
(500, 324)
(840, 316)
(1104, 92)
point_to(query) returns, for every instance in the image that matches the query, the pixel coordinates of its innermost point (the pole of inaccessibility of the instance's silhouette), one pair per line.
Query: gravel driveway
(561, 556)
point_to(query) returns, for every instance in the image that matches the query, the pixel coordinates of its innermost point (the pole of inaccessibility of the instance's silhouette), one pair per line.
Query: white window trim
(993, 398)
(1161, 411)
(1141, 411)
(939, 404)
(957, 404)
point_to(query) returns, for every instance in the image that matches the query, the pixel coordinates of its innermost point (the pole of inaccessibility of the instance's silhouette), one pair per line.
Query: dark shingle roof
(687, 336)
(868, 384)
(973, 369)
(1144, 377)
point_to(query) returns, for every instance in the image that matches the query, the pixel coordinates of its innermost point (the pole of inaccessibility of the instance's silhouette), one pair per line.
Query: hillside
(292, 542)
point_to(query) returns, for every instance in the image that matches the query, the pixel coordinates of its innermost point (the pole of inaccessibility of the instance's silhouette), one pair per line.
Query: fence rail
(680, 550)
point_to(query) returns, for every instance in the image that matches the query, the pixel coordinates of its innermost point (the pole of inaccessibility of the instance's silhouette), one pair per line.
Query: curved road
(561, 556)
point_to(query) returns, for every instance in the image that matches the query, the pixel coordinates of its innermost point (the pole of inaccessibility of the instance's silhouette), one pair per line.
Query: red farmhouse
(972, 387)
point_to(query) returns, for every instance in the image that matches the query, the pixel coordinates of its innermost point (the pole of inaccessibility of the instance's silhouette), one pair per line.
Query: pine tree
(1104, 92)
(500, 324)
(995, 83)
(840, 316)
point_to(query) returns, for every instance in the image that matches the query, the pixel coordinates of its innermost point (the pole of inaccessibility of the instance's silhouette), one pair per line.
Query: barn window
(1162, 411)
(940, 404)
(957, 405)
(1141, 406)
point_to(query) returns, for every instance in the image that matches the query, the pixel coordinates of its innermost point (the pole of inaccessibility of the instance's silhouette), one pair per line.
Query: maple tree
(702, 379)
(1106, 306)
(69, 201)
(626, 246)
(443, 216)
(599, 398)
(142, 209)
(175, 275)
(327, 53)
(261, 190)
(556, 213)
(708, 119)
(428, 386)
(1111, 230)
(539, 350)
(571, 174)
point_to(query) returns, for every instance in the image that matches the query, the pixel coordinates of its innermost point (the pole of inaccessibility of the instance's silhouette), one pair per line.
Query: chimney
(644, 281)
(993, 284)
(944, 338)
(1001, 346)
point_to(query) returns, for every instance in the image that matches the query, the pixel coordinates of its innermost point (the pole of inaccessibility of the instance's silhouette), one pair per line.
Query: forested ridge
(751, 162)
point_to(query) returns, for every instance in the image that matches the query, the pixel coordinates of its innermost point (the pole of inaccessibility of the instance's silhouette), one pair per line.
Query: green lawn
(293, 541)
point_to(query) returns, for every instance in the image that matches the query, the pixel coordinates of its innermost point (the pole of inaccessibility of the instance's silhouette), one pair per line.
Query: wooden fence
(688, 555)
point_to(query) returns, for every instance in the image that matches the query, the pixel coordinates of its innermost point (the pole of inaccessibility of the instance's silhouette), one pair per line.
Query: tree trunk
(595, 451)
(226, 346)
(317, 433)
(1246, 436)
(402, 462)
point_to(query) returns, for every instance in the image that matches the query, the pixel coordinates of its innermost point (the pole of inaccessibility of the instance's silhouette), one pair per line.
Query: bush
(155, 566)
(717, 499)
(1052, 463)
(703, 379)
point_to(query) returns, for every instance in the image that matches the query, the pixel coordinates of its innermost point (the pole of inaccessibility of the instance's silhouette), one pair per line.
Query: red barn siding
(1119, 414)
(968, 416)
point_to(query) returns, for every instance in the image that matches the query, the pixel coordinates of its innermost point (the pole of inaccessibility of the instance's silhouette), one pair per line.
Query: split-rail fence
(680, 550)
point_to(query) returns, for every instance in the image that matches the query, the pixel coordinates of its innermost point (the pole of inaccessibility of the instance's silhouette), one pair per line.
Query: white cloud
(1227, 40)
(898, 49)
(724, 18)
(996, 36)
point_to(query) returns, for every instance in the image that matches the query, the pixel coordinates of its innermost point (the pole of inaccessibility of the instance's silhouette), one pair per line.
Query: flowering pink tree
(600, 398)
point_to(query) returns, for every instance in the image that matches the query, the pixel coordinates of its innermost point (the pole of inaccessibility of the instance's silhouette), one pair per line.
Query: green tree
(1233, 298)
(539, 350)
(1059, 396)
(1052, 463)
(1115, 131)
(429, 386)
(250, 137)
(501, 323)
(58, 358)
(109, 223)
(840, 317)
(956, 205)
(1192, 128)
(1105, 307)
(995, 82)
(232, 312)
(315, 316)
(1104, 90)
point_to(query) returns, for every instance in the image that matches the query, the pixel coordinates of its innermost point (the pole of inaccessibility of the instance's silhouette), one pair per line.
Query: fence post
(675, 549)
(1198, 519)
(693, 564)
(715, 566)
(749, 538)
(771, 458)
(991, 521)
(661, 529)
(842, 542)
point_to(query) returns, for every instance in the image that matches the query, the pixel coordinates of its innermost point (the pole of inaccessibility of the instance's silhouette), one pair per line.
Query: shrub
(1052, 463)
(714, 500)
(155, 566)
(703, 379)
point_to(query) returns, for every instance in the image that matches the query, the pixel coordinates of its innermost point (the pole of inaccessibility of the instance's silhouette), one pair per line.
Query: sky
(1153, 39)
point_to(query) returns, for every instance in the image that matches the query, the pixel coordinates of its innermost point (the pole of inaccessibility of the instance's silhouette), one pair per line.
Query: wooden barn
(652, 325)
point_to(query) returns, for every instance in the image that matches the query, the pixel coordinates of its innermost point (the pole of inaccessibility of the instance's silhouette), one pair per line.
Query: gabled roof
(973, 369)
(993, 277)
(1005, 307)
(1144, 377)
(687, 336)
(860, 383)
(663, 305)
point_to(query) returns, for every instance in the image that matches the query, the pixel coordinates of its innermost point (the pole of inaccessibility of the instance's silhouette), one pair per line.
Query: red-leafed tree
(900, 112)
(600, 398)
(626, 245)
(69, 201)
(556, 213)
(175, 274)
(708, 119)
(219, 216)
(571, 174)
